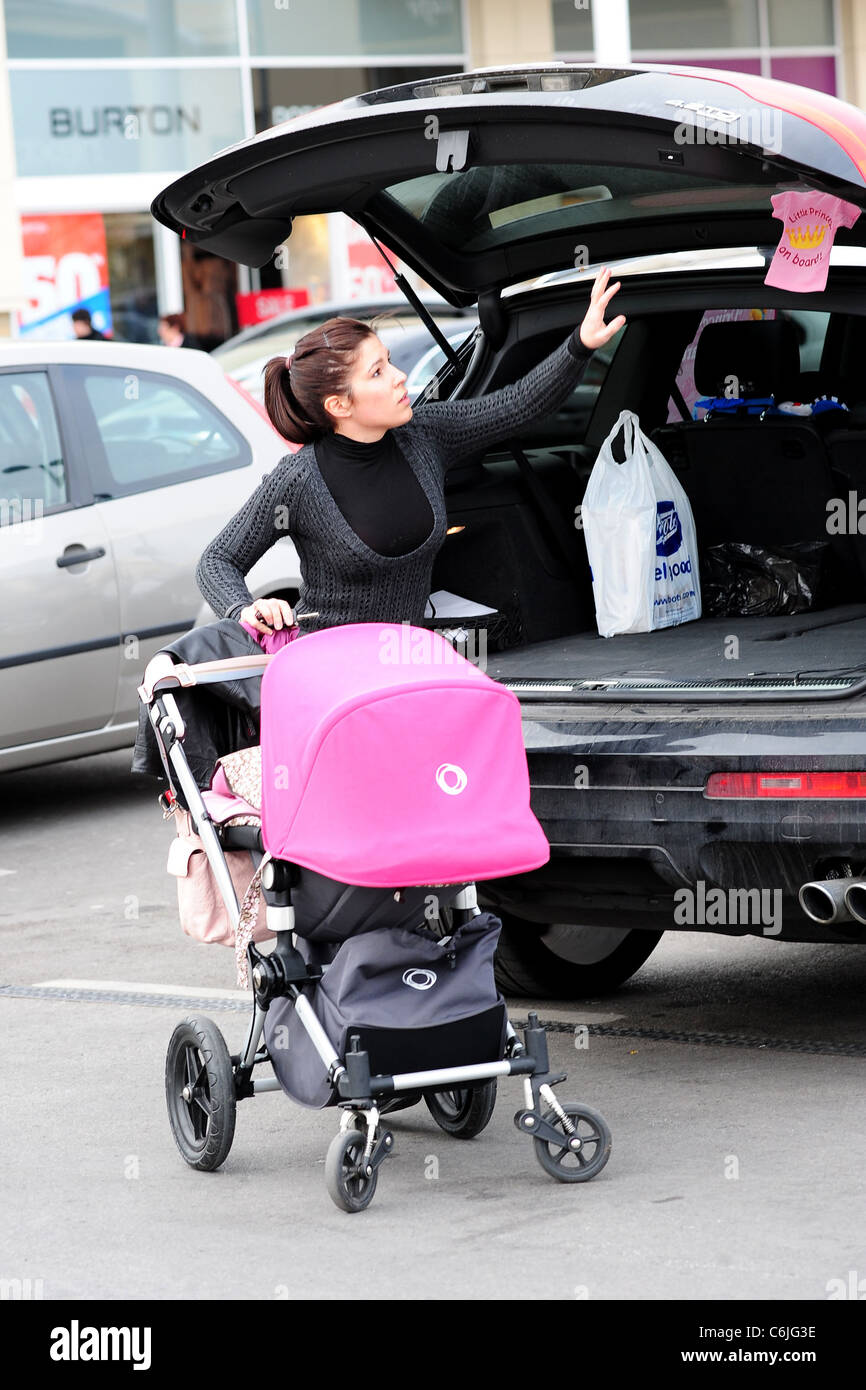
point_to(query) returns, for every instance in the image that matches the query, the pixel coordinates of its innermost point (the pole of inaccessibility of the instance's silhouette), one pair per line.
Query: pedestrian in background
(172, 332)
(83, 327)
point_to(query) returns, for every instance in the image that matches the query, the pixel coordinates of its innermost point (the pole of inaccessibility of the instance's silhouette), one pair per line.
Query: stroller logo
(419, 979)
(669, 532)
(458, 776)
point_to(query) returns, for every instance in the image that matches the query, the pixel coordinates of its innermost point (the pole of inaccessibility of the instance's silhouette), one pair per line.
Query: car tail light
(825, 786)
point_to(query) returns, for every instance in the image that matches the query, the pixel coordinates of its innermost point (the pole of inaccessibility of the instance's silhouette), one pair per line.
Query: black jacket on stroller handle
(223, 718)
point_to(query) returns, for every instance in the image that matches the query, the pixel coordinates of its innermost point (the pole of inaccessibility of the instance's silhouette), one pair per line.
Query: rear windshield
(477, 209)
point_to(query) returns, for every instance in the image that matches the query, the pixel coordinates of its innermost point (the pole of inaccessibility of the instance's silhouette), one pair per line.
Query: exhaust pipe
(825, 900)
(855, 900)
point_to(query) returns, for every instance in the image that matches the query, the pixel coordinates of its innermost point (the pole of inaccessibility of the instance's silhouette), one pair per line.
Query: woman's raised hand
(594, 332)
(267, 615)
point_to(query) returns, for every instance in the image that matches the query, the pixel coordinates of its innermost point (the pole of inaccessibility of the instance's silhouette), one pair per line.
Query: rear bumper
(623, 805)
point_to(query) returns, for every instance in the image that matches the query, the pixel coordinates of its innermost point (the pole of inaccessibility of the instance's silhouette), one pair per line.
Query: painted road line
(135, 987)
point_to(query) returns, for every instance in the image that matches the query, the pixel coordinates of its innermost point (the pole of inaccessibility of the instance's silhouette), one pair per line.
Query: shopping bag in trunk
(640, 537)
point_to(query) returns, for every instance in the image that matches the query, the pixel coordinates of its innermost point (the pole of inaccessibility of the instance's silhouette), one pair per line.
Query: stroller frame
(204, 1082)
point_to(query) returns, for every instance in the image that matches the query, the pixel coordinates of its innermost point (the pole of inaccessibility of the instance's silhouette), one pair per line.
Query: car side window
(811, 330)
(32, 469)
(155, 431)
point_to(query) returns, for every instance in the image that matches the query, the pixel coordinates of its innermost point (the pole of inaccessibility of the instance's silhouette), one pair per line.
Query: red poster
(259, 305)
(65, 268)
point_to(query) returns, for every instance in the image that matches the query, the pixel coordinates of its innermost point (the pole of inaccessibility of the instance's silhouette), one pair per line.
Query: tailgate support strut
(420, 309)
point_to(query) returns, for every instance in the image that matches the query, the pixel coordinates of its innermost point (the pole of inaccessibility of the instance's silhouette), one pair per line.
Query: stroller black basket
(415, 1001)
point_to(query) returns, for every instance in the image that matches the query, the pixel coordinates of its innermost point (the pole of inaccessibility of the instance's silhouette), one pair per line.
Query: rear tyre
(464, 1112)
(566, 962)
(200, 1093)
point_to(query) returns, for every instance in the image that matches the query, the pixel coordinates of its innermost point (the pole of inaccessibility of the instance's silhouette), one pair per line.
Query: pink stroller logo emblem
(458, 778)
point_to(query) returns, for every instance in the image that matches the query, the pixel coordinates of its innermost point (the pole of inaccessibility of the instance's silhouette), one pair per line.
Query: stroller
(393, 778)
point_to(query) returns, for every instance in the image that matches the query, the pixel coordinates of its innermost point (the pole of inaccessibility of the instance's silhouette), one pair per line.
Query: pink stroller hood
(389, 760)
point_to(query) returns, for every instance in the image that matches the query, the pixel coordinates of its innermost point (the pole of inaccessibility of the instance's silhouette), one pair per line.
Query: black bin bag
(743, 580)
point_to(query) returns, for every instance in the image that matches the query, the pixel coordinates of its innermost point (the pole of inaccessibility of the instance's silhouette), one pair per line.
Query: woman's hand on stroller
(268, 615)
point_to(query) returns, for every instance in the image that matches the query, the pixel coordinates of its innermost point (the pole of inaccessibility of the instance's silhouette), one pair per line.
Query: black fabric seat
(763, 481)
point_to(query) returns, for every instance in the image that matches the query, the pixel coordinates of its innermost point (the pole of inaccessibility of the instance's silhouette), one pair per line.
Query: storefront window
(121, 28)
(302, 265)
(681, 24)
(119, 122)
(659, 24)
(683, 32)
(310, 28)
(131, 276)
(281, 93)
(572, 27)
(801, 23)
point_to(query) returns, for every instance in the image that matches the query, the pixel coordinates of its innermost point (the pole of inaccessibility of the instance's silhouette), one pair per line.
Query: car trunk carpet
(805, 643)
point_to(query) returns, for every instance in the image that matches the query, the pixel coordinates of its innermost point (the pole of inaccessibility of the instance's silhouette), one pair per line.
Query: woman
(363, 501)
(172, 331)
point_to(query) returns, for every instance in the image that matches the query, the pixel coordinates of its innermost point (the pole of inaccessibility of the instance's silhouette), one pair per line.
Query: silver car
(118, 463)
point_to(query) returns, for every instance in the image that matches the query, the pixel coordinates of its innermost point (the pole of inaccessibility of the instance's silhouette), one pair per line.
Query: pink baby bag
(202, 911)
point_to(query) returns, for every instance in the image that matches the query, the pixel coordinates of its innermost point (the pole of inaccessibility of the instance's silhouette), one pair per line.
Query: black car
(696, 777)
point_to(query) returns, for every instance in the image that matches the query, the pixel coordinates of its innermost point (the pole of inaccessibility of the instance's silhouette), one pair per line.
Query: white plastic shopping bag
(640, 538)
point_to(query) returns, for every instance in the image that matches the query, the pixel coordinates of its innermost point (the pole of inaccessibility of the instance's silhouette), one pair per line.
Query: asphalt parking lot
(729, 1071)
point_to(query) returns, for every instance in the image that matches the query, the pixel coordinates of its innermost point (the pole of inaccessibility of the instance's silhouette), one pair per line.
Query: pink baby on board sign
(803, 255)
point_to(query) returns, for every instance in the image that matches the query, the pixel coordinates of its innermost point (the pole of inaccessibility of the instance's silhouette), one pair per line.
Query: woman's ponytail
(282, 407)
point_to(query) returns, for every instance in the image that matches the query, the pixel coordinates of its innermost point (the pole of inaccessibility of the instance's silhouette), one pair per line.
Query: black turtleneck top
(377, 492)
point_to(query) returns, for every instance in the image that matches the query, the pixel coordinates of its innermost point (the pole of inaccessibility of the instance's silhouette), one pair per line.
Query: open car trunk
(768, 483)
(801, 646)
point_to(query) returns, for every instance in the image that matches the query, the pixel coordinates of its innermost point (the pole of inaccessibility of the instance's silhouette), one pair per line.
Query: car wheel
(563, 962)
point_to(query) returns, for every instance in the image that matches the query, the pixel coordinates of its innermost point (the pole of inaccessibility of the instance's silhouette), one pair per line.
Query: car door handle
(79, 557)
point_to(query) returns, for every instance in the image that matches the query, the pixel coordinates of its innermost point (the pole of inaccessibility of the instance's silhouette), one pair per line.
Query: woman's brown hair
(321, 365)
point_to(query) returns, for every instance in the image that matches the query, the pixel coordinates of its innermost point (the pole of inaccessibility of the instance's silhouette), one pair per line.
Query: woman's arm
(267, 516)
(463, 426)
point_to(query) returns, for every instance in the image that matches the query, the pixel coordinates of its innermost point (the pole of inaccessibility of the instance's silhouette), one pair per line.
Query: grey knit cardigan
(343, 580)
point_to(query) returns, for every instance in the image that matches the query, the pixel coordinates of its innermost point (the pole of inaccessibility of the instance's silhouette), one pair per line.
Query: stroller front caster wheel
(349, 1184)
(200, 1093)
(465, 1112)
(580, 1156)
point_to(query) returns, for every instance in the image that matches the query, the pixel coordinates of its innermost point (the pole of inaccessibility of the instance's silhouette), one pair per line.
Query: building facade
(111, 99)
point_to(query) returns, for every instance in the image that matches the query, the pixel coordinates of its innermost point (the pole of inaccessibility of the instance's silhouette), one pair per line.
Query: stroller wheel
(564, 1163)
(463, 1113)
(200, 1093)
(349, 1187)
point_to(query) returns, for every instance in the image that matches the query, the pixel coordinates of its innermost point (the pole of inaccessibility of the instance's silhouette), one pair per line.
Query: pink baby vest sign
(803, 255)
